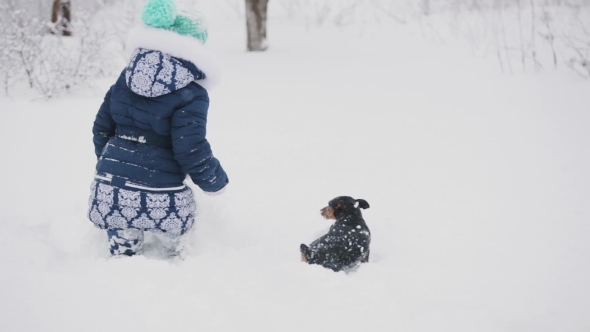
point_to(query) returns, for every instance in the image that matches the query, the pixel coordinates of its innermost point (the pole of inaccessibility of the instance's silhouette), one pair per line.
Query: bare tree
(61, 17)
(256, 13)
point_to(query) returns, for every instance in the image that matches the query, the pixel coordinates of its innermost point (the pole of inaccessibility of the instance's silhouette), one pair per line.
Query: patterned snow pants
(125, 213)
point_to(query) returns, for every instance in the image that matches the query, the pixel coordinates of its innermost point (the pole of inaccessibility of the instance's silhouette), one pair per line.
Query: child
(149, 133)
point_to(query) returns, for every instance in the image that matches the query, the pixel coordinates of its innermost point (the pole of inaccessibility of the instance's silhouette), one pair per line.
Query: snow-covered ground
(478, 182)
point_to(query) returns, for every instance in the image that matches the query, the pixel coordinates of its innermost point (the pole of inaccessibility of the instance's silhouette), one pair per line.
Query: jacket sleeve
(104, 126)
(191, 149)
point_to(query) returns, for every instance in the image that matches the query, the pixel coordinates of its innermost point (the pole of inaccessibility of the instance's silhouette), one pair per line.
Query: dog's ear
(362, 204)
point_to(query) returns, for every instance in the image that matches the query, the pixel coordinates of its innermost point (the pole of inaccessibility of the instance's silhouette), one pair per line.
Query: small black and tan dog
(347, 243)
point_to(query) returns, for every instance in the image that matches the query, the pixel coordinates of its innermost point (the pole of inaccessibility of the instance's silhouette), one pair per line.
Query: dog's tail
(362, 204)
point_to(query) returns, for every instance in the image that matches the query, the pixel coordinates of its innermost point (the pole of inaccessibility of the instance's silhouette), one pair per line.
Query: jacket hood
(153, 73)
(184, 49)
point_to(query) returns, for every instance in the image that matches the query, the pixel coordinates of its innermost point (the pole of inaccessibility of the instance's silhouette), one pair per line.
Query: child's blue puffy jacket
(151, 127)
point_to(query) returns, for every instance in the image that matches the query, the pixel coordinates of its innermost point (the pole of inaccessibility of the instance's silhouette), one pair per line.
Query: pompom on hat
(164, 14)
(166, 29)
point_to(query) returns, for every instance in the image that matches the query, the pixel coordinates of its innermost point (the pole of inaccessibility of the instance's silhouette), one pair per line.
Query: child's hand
(216, 193)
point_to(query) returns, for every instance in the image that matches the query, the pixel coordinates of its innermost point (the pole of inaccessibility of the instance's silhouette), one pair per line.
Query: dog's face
(342, 204)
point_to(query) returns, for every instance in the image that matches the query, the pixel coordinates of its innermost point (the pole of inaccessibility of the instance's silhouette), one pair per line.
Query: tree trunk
(426, 7)
(256, 13)
(61, 16)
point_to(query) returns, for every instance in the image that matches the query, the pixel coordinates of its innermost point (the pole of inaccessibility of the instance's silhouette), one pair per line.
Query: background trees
(523, 35)
(61, 17)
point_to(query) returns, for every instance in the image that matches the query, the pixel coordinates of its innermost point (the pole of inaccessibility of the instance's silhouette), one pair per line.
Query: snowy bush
(524, 35)
(316, 13)
(577, 43)
(52, 64)
(527, 35)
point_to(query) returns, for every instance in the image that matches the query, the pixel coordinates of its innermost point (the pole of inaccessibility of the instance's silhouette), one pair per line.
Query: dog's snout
(328, 212)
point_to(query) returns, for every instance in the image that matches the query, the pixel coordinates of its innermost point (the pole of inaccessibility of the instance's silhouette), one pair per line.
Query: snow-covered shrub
(576, 40)
(524, 35)
(316, 13)
(53, 64)
(20, 45)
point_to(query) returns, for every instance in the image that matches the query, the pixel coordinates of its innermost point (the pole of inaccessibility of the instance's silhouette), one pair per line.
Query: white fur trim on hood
(184, 47)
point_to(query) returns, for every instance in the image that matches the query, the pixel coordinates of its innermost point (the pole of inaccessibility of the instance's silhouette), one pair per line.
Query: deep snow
(478, 183)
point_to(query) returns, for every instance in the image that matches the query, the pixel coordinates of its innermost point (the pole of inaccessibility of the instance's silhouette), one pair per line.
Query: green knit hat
(164, 14)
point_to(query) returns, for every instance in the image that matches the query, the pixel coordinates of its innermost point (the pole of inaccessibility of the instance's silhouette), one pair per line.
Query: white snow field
(479, 185)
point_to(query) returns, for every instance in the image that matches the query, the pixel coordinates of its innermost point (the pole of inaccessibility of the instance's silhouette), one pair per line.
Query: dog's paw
(304, 252)
(304, 257)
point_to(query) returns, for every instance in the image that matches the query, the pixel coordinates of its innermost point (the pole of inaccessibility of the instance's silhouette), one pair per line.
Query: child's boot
(125, 241)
